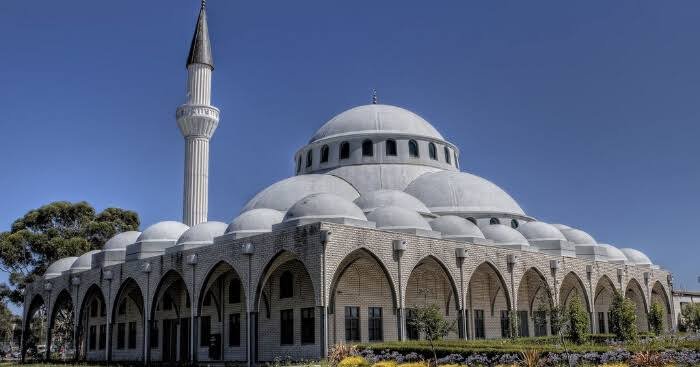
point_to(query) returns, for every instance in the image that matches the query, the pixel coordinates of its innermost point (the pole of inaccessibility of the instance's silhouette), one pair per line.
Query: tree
(656, 318)
(428, 320)
(7, 320)
(577, 328)
(690, 317)
(623, 317)
(51, 232)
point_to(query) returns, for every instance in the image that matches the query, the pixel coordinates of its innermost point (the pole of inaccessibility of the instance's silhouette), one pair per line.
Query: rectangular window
(103, 336)
(287, 327)
(524, 323)
(121, 334)
(505, 324)
(540, 323)
(352, 324)
(479, 324)
(154, 334)
(234, 330)
(92, 337)
(132, 335)
(601, 322)
(374, 324)
(205, 331)
(234, 291)
(411, 330)
(308, 325)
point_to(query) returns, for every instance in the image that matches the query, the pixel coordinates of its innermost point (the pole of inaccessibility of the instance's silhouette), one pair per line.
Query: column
(252, 337)
(323, 330)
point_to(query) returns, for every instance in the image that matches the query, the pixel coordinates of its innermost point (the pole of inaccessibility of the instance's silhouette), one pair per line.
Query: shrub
(646, 359)
(656, 318)
(689, 318)
(353, 361)
(414, 364)
(339, 352)
(623, 317)
(578, 321)
(531, 357)
(385, 364)
(428, 321)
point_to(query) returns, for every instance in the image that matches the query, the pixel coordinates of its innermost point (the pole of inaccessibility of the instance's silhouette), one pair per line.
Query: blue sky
(586, 112)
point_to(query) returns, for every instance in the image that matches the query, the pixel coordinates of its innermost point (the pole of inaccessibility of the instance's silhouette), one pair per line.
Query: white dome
(84, 261)
(503, 234)
(380, 198)
(578, 237)
(561, 227)
(256, 220)
(376, 118)
(373, 177)
(540, 231)
(452, 226)
(448, 192)
(59, 266)
(636, 257)
(324, 206)
(163, 231)
(283, 194)
(397, 218)
(121, 240)
(202, 233)
(613, 253)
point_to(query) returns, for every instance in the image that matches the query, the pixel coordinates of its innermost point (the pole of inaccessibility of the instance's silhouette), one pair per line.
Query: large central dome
(376, 118)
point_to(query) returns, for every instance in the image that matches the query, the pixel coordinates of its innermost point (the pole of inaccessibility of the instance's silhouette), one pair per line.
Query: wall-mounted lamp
(192, 259)
(460, 252)
(247, 248)
(400, 245)
(75, 281)
(146, 268)
(48, 286)
(107, 275)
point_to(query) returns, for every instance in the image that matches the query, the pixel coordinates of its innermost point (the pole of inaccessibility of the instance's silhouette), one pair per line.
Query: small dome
(283, 194)
(540, 231)
(578, 237)
(163, 231)
(84, 261)
(396, 218)
(613, 253)
(503, 234)
(561, 227)
(59, 266)
(121, 240)
(202, 233)
(324, 206)
(452, 226)
(448, 192)
(256, 220)
(380, 198)
(636, 257)
(376, 119)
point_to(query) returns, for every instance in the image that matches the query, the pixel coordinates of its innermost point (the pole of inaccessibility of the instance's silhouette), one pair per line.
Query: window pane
(103, 336)
(132, 335)
(374, 322)
(432, 151)
(234, 291)
(324, 154)
(413, 149)
(308, 323)
(154, 337)
(479, 324)
(448, 157)
(205, 331)
(367, 148)
(121, 334)
(234, 330)
(411, 330)
(92, 337)
(286, 285)
(287, 327)
(391, 147)
(352, 323)
(344, 150)
(309, 158)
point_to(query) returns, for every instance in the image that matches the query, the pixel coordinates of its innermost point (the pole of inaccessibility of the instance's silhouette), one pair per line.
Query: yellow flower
(353, 361)
(385, 364)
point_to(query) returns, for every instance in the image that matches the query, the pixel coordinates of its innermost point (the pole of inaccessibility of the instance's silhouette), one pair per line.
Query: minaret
(198, 120)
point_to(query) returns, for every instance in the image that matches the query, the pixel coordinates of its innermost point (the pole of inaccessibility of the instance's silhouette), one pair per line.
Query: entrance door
(185, 339)
(169, 341)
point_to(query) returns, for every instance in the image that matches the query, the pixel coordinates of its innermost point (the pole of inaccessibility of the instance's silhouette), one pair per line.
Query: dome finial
(374, 96)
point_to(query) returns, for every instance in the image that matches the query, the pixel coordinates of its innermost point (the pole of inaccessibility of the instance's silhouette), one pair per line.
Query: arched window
(299, 163)
(432, 151)
(448, 156)
(495, 221)
(413, 149)
(324, 154)
(94, 308)
(286, 285)
(456, 160)
(344, 150)
(309, 158)
(391, 147)
(514, 223)
(472, 220)
(234, 291)
(367, 148)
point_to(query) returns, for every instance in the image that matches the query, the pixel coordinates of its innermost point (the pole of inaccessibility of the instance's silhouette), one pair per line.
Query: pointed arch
(658, 293)
(635, 293)
(30, 339)
(489, 302)
(446, 272)
(571, 283)
(64, 298)
(272, 264)
(220, 269)
(87, 336)
(349, 260)
(170, 279)
(501, 280)
(128, 288)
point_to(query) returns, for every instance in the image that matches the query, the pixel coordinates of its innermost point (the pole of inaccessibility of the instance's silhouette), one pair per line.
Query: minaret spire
(197, 120)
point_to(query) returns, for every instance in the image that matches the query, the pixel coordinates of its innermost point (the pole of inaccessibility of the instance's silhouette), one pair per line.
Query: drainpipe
(247, 249)
(146, 269)
(400, 247)
(323, 309)
(75, 281)
(192, 261)
(591, 300)
(460, 255)
(48, 286)
(107, 275)
(512, 259)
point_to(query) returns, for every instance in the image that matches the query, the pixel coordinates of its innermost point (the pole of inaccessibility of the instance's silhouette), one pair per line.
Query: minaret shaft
(198, 84)
(196, 198)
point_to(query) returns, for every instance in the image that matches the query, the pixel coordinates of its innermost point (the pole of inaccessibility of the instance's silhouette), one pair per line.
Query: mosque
(377, 220)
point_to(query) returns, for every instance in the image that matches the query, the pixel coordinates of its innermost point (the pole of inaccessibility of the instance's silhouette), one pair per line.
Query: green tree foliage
(656, 318)
(690, 317)
(54, 231)
(623, 317)
(7, 321)
(578, 325)
(428, 321)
